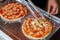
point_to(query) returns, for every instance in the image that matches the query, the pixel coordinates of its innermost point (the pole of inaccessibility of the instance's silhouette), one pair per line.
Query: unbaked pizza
(13, 11)
(36, 29)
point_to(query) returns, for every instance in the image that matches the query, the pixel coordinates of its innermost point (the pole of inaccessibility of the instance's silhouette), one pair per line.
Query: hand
(52, 7)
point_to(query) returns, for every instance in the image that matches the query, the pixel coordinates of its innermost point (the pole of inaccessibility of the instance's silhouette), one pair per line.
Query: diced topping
(0, 11)
(13, 11)
(35, 28)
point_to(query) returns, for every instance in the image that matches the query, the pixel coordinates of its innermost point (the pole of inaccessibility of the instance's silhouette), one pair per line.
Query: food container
(16, 28)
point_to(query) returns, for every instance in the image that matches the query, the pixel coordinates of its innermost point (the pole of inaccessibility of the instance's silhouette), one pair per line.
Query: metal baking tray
(55, 20)
(15, 28)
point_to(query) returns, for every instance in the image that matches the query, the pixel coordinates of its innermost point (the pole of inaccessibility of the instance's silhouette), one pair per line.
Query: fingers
(49, 9)
(53, 10)
(56, 11)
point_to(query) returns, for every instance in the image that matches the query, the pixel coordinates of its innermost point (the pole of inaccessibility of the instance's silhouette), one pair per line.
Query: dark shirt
(40, 3)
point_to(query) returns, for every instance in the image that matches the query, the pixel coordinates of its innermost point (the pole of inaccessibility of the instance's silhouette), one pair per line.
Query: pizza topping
(0, 11)
(13, 11)
(35, 28)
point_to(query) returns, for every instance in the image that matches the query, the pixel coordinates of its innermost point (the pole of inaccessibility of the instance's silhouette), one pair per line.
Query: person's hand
(52, 7)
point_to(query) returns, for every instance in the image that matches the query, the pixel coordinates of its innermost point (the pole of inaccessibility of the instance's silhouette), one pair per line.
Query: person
(52, 5)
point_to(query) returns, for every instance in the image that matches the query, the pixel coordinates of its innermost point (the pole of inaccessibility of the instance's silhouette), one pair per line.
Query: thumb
(49, 8)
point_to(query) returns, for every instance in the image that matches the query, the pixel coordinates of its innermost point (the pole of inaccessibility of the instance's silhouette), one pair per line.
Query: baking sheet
(16, 27)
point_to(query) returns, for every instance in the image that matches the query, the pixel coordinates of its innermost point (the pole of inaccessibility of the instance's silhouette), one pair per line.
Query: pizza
(36, 29)
(13, 11)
